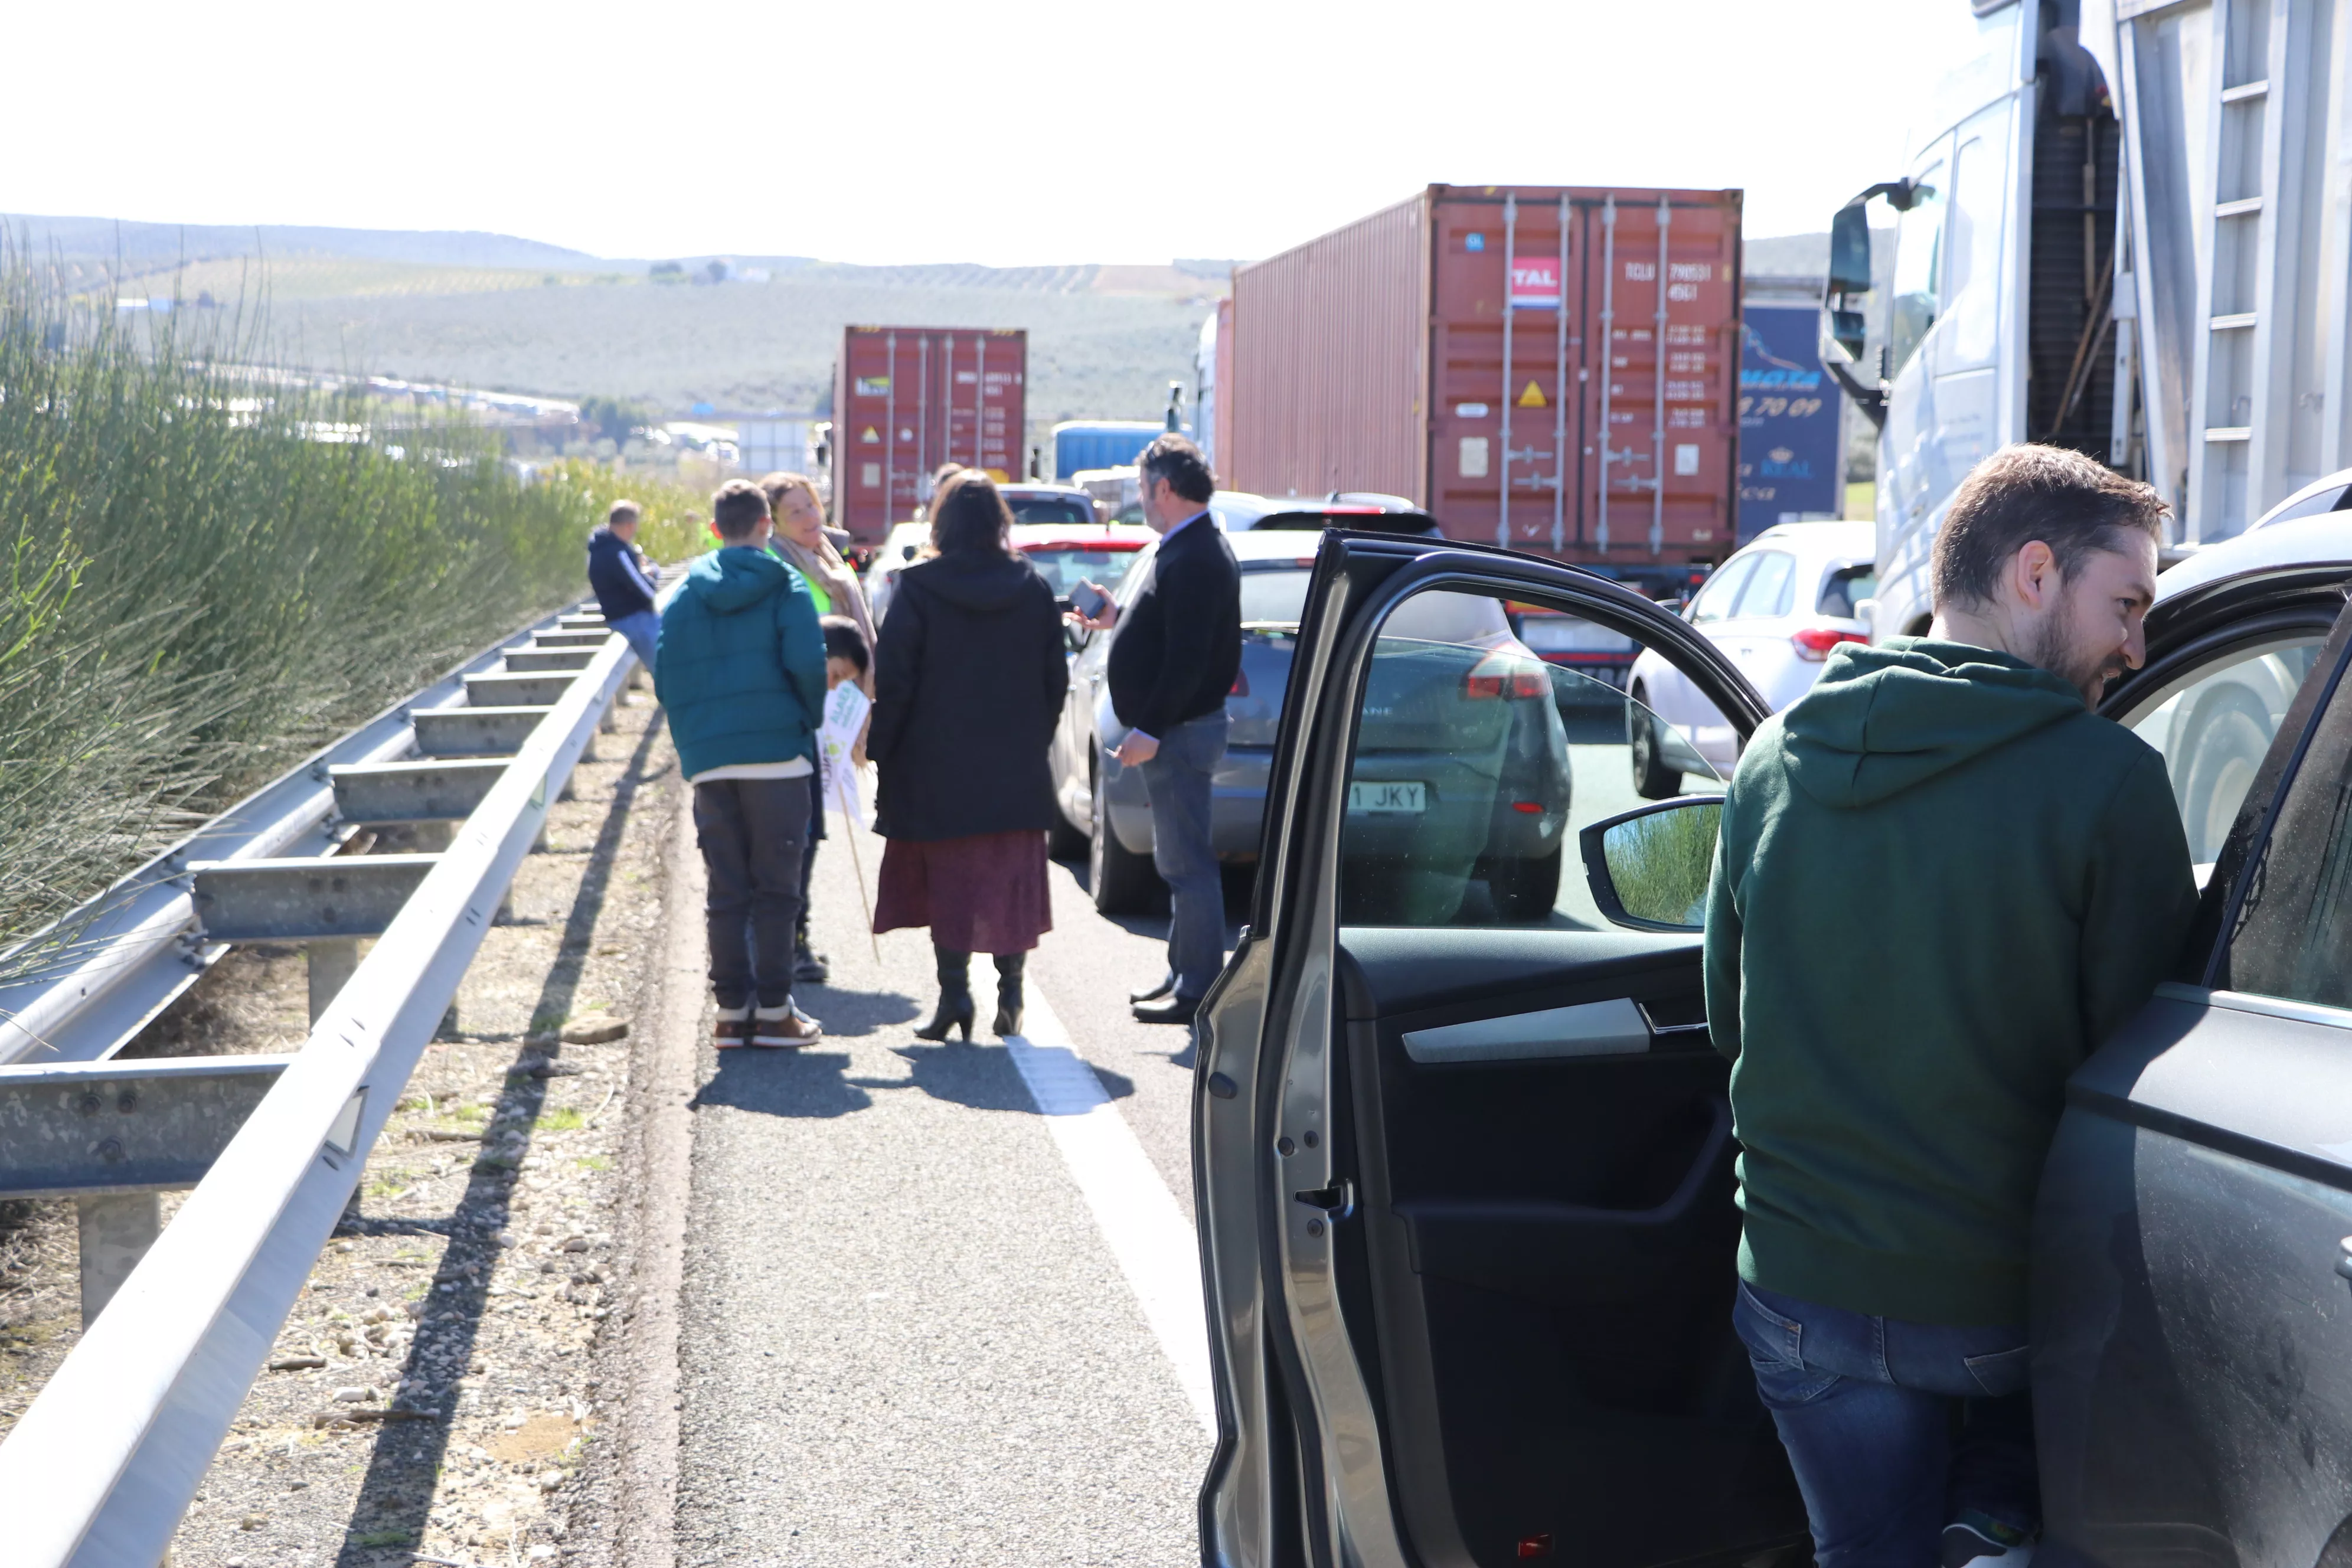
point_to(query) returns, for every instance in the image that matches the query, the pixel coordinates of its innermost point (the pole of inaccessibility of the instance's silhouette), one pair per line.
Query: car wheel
(1064, 840)
(2226, 749)
(1524, 888)
(1652, 780)
(1123, 882)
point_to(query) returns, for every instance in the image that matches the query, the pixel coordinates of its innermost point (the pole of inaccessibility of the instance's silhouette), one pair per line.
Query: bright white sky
(905, 131)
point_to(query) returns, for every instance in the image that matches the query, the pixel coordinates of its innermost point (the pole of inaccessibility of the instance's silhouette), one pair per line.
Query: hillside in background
(511, 314)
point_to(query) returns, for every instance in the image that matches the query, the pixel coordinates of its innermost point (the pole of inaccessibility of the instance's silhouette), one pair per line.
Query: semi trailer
(2124, 227)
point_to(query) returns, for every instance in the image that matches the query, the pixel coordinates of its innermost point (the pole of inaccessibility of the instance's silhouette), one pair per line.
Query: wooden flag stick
(850, 829)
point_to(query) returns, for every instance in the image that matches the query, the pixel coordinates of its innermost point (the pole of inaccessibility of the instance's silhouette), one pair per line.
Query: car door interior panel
(1487, 1116)
(1614, 1027)
(1548, 1230)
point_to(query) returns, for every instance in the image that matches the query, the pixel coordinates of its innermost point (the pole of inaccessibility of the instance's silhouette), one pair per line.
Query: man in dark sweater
(1941, 881)
(1172, 662)
(616, 573)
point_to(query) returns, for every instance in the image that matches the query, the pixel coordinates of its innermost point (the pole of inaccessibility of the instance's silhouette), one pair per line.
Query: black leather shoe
(1174, 1010)
(1165, 987)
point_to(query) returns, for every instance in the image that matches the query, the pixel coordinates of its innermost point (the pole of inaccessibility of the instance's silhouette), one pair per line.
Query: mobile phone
(1089, 600)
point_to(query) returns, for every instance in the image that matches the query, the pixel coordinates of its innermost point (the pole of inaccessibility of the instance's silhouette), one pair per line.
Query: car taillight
(1241, 684)
(1814, 642)
(1506, 675)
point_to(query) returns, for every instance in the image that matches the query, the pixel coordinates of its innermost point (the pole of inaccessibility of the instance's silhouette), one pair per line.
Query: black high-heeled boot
(1009, 966)
(955, 1009)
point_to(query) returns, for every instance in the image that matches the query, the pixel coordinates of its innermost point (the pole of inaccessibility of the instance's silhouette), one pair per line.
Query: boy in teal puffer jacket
(740, 671)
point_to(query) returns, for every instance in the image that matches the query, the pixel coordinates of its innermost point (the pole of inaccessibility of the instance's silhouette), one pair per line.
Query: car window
(1722, 591)
(1276, 596)
(1063, 568)
(1918, 265)
(1063, 510)
(1972, 241)
(2292, 936)
(1477, 765)
(1768, 586)
(2212, 726)
(1844, 588)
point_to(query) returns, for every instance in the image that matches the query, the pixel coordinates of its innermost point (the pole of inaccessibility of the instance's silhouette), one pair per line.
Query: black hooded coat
(969, 677)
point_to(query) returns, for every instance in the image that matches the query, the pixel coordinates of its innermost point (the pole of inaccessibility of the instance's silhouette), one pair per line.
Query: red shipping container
(907, 399)
(1469, 347)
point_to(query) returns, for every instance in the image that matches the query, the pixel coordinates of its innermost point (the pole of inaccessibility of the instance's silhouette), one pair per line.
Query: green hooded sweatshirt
(1941, 881)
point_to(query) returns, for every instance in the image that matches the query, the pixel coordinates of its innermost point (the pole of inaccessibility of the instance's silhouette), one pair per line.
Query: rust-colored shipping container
(1469, 347)
(907, 399)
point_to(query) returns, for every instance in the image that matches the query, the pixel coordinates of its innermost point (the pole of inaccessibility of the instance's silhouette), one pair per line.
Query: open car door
(2192, 1318)
(1463, 1149)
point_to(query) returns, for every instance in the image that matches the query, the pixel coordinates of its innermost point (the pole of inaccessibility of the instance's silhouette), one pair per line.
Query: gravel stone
(429, 1303)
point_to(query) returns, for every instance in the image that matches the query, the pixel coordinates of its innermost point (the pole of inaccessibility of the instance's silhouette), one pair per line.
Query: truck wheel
(1652, 780)
(1524, 888)
(1124, 883)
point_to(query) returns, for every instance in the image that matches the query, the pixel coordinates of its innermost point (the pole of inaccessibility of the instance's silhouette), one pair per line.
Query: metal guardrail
(136, 947)
(101, 1468)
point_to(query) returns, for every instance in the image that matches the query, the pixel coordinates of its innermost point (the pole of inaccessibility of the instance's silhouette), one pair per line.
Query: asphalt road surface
(941, 1301)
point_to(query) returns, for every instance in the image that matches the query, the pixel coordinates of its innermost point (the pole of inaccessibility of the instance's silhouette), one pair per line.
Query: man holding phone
(1172, 661)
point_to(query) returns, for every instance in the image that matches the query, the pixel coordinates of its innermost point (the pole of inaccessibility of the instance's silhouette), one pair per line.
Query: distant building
(765, 440)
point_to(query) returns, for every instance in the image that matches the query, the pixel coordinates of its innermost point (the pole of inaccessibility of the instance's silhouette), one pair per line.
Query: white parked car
(1778, 607)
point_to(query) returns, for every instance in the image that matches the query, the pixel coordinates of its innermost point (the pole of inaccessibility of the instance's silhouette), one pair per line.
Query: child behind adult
(847, 657)
(743, 674)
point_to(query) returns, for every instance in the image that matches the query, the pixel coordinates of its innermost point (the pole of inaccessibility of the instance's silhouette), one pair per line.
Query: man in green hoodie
(1942, 880)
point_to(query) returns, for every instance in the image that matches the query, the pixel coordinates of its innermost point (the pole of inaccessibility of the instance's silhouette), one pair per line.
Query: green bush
(206, 570)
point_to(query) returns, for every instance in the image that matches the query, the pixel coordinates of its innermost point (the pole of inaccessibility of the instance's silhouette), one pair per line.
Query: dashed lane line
(1149, 1234)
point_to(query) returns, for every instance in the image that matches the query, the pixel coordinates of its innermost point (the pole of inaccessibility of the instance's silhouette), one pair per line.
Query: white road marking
(1154, 1243)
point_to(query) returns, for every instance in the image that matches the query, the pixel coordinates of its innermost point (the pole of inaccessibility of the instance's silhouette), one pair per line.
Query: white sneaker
(786, 1026)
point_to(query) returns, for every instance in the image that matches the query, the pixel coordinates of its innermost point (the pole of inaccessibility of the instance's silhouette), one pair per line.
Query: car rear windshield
(1846, 587)
(1277, 595)
(1061, 510)
(1063, 566)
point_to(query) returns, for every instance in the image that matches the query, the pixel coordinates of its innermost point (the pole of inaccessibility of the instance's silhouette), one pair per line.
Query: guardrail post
(332, 962)
(116, 1232)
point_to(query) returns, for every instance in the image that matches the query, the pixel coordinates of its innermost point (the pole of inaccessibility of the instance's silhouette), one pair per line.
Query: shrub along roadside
(205, 574)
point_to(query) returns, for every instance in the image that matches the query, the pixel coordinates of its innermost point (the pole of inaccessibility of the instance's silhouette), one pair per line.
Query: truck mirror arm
(1871, 400)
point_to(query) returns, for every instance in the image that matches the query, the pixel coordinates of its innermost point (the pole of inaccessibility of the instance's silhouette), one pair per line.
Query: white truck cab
(2127, 230)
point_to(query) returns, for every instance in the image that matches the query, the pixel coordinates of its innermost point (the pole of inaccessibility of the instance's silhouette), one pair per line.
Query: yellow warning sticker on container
(1533, 397)
(870, 437)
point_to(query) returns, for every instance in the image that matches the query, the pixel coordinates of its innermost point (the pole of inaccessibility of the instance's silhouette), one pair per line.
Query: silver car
(1465, 1185)
(1463, 703)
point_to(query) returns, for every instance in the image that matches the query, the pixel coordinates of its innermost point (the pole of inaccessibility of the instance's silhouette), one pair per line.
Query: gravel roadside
(437, 1392)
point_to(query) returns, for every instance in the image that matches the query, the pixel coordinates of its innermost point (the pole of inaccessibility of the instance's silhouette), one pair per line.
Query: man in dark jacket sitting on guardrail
(617, 575)
(742, 674)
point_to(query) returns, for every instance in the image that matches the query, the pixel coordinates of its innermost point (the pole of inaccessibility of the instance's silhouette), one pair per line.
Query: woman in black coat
(969, 677)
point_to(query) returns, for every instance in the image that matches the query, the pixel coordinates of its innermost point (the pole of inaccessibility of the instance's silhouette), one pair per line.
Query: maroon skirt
(983, 893)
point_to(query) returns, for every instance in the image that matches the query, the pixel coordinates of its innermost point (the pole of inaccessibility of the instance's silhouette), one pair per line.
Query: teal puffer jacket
(740, 664)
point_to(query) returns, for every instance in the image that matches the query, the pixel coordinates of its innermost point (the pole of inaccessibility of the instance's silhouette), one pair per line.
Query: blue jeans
(1177, 779)
(1894, 1430)
(642, 630)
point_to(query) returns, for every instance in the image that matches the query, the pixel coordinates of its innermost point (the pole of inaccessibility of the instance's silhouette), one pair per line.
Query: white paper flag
(844, 716)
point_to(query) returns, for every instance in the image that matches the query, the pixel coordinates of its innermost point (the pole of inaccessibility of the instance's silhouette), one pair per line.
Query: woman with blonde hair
(970, 675)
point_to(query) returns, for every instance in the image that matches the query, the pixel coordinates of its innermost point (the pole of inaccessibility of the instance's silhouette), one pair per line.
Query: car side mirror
(1074, 637)
(1649, 868)
(1866, 612)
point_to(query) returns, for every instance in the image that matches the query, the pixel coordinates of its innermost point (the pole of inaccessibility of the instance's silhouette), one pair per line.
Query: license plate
(1395, 796)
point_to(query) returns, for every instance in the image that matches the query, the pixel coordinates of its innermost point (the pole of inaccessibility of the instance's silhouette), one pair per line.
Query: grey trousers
(1177, 779)
(753, 832)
